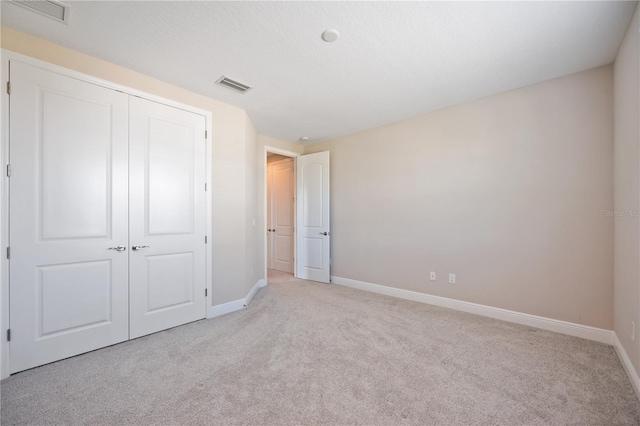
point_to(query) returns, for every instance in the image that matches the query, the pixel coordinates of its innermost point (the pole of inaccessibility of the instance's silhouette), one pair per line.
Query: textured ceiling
(393, 60)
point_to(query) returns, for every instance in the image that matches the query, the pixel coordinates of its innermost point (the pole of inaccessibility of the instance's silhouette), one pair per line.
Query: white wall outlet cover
(452, 278)
(432, 276)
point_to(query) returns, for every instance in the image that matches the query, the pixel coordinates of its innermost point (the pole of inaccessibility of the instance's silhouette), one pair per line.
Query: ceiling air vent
(52, 9)
(232, 84)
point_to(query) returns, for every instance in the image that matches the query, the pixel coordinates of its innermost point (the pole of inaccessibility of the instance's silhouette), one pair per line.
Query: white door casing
(167, 217)
(282, 215)
(68, 290)
(313, 217)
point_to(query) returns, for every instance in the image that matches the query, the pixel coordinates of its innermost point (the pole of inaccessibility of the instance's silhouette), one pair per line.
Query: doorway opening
(280, 213)
(297, 214)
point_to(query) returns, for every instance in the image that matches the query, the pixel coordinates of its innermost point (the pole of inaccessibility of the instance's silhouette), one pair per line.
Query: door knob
(273, 230)
(136, 248)
(118, 248)
(325, 233)
(269, 230)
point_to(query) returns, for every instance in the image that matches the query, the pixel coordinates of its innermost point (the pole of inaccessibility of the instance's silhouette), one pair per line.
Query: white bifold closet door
(167, 216)
(95, 173)
(68, 206)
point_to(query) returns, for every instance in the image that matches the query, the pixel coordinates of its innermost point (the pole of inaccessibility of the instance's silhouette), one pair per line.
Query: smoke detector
(49, 8)
(330, 35)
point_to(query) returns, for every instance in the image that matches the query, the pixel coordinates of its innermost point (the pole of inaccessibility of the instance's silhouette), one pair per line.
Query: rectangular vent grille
(232, 84)
(52, 9)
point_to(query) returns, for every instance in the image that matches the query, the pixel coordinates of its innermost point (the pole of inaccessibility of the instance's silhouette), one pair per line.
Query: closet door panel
(68, 207)
(167, 217)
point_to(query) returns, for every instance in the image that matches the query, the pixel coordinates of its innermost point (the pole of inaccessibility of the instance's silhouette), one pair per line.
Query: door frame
(293, 155)
(8, 56)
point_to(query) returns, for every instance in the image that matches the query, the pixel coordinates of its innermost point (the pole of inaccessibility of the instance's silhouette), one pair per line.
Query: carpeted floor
(309, 353)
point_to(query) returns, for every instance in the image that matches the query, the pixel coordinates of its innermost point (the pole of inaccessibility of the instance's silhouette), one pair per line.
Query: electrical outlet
(432, 276)
(633, 331)
(452, 278)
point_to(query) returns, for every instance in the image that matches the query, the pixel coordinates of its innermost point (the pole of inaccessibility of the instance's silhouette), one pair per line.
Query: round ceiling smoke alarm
(304, 139)
(330, 35)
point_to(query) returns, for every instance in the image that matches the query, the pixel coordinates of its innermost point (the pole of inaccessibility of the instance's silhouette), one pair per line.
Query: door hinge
(205, 239)
(206, 292)
(8, 252)
(8, 334)
(8, 170)
(205, 186)
(205, 134)
(8, 87)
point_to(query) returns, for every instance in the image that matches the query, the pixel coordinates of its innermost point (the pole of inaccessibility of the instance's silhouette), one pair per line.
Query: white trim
(564, 327)
(628, 366)
(8, 56)
(261, 283)
(226, 308)
(67, 72)
(293, 155)
(236, 305)
(280, 152)
(4, 225)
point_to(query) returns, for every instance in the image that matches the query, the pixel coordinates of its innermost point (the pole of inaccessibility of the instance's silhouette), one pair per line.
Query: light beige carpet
(309, 353)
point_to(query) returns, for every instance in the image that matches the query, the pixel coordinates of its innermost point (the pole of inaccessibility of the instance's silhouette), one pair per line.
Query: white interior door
(68, 209)
(269, 216)
(167, 216)
(282, 214)
(312, 217)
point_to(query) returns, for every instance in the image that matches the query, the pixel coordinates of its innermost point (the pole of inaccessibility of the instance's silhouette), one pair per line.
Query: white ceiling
(393, 60)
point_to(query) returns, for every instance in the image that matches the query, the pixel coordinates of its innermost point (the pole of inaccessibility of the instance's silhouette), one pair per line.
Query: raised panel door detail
(68, 140)
(313, 230)
(312, 253)
(282, 215)
(270, 217)
(74, 295)
(283, 255)
(167, 216)
(282, 182)
(170, 280)
(170, 177)
(312, 186)
(75, 163)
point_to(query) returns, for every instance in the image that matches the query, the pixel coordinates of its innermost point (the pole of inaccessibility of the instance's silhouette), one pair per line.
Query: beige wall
(627, 190)
(255, 260)
(507, 192)
(229, 162)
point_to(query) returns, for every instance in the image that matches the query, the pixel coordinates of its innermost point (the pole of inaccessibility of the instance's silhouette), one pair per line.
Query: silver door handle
(118, 248)
(325, 233)
(136, 248)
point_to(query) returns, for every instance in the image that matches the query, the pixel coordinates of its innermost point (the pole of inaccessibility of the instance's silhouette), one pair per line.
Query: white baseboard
(628, 366)
(236, 305)
(226, 308)
(259, 284)
(564, 327)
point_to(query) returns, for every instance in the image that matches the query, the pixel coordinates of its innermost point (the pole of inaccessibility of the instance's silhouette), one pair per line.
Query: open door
(312, 217)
